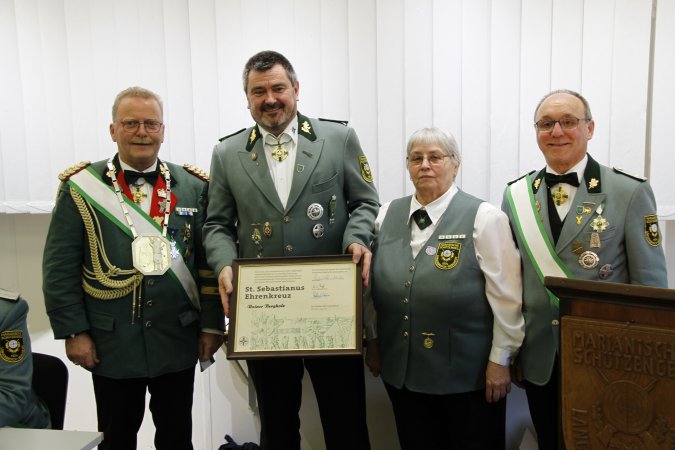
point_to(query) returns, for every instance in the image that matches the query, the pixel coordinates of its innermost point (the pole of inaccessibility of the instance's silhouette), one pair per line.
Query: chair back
(50, 383)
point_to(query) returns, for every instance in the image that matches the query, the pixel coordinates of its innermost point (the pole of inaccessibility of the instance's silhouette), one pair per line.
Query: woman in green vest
(446, 290)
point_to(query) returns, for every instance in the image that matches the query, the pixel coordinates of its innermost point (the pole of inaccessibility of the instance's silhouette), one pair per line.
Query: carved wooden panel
(617, 384)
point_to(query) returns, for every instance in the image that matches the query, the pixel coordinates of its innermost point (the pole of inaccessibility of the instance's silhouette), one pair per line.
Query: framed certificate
(299, 306)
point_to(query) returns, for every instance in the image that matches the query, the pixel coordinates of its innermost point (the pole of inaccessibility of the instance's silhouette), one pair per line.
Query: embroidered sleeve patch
(12, 349)
(365, 169)
(652, 234)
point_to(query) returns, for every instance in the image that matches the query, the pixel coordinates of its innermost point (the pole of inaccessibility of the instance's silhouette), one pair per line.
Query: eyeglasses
(151, 126)
(434, 159)
(566, 123)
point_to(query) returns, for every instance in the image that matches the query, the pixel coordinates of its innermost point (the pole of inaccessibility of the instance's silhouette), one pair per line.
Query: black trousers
(464, 421)
(120, 405)
(544, 403)
(339, 386)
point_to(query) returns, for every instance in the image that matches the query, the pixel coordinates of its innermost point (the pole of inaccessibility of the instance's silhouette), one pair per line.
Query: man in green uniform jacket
(126, 282)
(293, 186)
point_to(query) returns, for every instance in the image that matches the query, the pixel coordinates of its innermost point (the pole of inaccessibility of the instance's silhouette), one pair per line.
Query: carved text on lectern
(618, 385)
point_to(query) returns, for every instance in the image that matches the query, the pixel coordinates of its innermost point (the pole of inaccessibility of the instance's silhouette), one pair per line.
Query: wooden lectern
(617, 365)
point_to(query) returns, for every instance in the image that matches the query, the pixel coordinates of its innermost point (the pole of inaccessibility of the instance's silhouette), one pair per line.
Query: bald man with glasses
(597, 223)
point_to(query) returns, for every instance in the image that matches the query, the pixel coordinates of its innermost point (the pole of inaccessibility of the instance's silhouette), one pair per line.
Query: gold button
(405, 334)
(405, 317)
(149, 303)
(406, 284)
(411, 268)
(289, 248)
(148, 324)
(555, 323)
(286, 219)
(406, 301)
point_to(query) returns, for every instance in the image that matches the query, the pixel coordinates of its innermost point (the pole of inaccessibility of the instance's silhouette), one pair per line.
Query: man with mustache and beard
(125, 278)
(293, 186)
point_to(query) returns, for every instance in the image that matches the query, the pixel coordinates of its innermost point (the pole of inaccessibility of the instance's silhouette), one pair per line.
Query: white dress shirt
(282, 171)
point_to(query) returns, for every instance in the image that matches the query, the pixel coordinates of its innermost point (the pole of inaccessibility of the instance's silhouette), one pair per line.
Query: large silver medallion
(314, 211)
(151, 254)
(588, 260)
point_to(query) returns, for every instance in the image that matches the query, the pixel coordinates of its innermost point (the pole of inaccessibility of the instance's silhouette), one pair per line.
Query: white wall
(473, 67)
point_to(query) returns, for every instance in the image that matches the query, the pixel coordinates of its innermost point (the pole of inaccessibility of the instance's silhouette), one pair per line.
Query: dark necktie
(131, 176)
(554, 220)
(421, 218)
(569, 178)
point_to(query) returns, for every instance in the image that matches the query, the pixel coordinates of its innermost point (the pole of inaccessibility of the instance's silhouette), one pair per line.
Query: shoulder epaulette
(196, 171)
(521, 177)
(230, 135)
(635, 177)
(343, 122)
(9, 295)
(70, 171)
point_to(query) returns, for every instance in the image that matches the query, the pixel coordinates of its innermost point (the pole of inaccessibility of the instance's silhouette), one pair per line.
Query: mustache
(269, 107)
(141, 141)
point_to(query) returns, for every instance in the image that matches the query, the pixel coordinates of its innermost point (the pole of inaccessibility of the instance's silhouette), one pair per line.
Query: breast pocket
(325, 184)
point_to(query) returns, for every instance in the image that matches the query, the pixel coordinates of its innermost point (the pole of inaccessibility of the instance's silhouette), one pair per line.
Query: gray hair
(438, 137)
(587, 107)
(264, 61)
(136, 91)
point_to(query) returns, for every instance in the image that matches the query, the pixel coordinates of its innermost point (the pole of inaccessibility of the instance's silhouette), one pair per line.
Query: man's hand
(81, 350)
(373, 357)
(209, 344)
(497, 382)
(225, 288)
(359, 252)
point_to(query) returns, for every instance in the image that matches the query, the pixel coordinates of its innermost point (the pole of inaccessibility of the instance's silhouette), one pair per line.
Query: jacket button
(405, 317)
(151, 282)
(411, 268)
(406, 284)
(148, 324)
(149, 303)
(406, 301)
(405, 334)
(286, 219)
(289, 248)
(555, 323)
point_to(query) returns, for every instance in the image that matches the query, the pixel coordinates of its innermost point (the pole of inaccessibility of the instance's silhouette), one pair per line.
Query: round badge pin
(605, 271)
(588, 260)
(317, 231)
(314, 211)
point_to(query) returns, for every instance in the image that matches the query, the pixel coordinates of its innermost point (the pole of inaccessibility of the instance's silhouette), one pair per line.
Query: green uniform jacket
(330, 171)
(625, 253)
(164, 339)
(19, 406)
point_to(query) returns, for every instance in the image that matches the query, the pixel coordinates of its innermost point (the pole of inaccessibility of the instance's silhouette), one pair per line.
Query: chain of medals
(167, 204)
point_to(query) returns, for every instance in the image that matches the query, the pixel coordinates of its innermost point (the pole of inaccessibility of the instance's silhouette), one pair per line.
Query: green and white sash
(533, 236)
(90, 185)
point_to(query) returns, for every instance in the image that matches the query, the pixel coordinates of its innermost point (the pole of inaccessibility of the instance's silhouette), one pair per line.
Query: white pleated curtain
(475, 68)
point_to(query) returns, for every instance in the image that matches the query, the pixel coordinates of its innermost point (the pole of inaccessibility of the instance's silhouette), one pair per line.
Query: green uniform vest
(434, 320)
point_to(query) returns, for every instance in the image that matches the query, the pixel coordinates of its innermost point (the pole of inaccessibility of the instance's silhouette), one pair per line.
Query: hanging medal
(151, 253)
